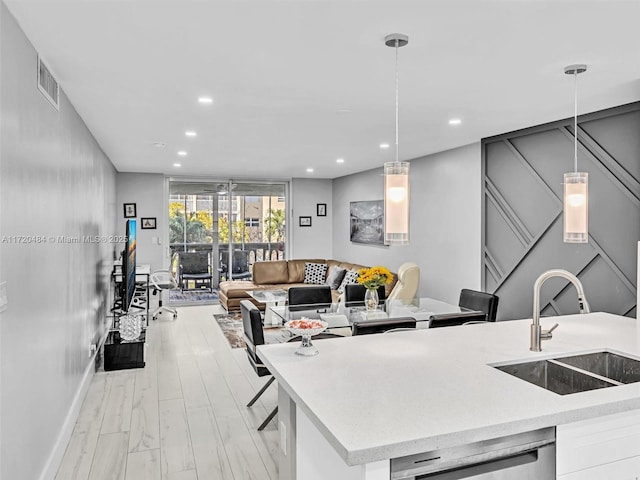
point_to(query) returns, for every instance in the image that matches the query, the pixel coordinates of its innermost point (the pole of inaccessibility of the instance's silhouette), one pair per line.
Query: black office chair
(453, 319)
(301, 297)
(194, 266)
(254, 336)
(367, 327)
(354, 294)
(480, 301)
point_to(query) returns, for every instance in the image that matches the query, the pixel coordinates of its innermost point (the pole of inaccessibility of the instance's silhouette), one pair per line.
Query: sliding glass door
(237, 223)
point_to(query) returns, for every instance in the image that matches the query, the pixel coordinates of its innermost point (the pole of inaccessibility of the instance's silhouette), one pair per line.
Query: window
(251, 222)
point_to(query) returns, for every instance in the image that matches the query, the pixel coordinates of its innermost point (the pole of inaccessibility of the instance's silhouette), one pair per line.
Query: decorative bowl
(306, 328)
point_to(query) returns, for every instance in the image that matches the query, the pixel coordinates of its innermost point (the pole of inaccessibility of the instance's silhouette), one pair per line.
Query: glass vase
(130, 327)
(371, 299)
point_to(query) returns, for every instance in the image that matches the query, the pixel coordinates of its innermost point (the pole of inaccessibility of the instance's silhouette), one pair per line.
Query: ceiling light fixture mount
(576, 184)
(396, 174)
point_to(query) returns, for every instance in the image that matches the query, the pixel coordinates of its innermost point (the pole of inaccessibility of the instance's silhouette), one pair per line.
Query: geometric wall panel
(522, 214)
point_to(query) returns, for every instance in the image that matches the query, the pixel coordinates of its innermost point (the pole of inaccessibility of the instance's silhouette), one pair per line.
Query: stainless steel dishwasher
(524, 456)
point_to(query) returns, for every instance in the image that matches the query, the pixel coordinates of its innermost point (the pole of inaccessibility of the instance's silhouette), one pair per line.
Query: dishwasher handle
(484, 452)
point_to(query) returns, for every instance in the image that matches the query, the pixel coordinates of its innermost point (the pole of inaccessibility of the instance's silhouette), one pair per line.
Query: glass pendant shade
(576, 207)
(396, 203)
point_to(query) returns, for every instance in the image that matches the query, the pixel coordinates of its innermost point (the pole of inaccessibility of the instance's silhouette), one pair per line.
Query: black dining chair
(453, 319)
(354, 294)
(254, 336)
(480, 301)
(299, 298)
(368, 327)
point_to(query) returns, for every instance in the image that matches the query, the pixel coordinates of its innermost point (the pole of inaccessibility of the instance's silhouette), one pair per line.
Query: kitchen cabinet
(604, 447)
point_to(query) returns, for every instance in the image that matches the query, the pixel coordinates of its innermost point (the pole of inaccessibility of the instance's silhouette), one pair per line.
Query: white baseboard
(55, 458)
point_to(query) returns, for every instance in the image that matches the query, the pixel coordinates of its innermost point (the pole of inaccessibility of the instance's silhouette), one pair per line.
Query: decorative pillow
(315, 273)
(335, 276)
(350, 278)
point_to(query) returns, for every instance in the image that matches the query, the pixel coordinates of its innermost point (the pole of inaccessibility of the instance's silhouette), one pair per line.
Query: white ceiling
(298, 84)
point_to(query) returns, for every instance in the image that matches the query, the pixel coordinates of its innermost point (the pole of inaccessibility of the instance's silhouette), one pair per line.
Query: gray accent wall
(55, 182)
(523, 175)
(445, 221)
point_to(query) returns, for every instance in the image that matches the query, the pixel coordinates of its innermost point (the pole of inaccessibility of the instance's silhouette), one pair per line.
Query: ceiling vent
(48, 85)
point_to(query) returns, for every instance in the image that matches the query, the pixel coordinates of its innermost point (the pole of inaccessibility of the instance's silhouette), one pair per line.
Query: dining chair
(354, 294)
(299, 298)
(452, 319)
(368, 327)
(254, 336)
(480, 301)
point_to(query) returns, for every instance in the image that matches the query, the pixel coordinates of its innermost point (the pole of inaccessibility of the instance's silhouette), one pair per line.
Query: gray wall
(523, 213)
(54, 180)
(445, 221)
(147, 191)
(314, 241)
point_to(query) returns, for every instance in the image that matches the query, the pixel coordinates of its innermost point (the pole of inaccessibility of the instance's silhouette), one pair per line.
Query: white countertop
(376, 397)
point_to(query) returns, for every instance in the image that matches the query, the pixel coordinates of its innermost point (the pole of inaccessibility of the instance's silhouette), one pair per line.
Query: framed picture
(305, 221)
(367, 222)
(148, 223)
(129, 210)
(321, 209)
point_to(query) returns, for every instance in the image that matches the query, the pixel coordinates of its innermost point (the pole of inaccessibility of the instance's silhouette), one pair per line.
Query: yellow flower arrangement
(374, 277)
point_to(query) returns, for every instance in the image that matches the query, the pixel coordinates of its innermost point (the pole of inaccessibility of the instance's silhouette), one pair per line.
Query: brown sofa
(280, 274)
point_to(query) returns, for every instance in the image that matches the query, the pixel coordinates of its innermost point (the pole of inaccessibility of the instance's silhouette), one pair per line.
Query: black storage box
(120, 354)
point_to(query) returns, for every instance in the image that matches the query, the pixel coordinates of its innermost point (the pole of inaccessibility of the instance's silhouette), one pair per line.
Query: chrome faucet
(537, 333)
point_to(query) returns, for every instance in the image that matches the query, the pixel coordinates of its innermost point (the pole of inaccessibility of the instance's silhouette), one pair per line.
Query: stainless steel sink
(614, 366)
(577, 373)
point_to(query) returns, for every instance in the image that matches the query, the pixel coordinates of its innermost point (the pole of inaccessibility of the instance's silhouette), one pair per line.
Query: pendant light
(396, 176)
(576, 199)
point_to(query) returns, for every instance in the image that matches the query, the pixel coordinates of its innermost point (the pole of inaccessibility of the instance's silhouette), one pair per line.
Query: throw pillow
(315, 273)
(335, 276)
(350, 278)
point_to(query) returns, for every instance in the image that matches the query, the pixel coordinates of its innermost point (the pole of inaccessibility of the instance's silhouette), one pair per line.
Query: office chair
(254, 336)
(368, 327)
(301, 297)
(480, 301)
(163, 280)
(354, 294)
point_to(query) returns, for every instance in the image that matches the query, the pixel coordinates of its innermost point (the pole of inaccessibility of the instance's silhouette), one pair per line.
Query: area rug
(193, 296)
(231, 326)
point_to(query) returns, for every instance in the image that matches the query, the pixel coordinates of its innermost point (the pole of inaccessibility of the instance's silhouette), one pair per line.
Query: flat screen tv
(129, 264)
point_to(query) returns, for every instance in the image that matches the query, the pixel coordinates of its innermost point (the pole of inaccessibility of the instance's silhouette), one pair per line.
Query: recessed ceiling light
(205, 100)
(177, 164)
(340, 160)
(309, 170)
(455, 121)
(159, 144)
(384, 145)
(182, 153)
(190, 133)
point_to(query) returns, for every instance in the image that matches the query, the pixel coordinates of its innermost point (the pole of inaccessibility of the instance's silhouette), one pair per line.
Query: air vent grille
(48, 85)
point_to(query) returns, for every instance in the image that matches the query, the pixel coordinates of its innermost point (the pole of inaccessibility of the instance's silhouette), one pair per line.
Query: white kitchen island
(365, 400)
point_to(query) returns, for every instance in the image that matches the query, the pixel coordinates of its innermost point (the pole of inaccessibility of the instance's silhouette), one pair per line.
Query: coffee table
(270, 298)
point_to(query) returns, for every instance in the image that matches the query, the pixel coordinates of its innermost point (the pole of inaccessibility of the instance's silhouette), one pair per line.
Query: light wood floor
(182, 417)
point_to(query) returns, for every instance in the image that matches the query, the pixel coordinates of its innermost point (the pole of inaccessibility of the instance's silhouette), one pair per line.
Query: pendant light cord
(575, 121)
(397, 45)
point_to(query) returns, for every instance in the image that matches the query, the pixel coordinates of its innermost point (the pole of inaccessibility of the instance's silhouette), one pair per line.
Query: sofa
(280, 274)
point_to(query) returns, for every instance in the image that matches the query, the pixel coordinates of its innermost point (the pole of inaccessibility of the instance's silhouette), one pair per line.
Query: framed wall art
(367, 222)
